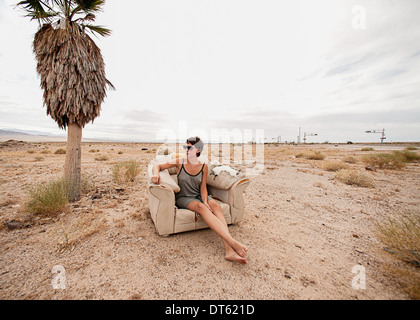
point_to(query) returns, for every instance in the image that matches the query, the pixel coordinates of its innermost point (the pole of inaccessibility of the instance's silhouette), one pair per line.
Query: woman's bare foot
(234, 257)
(239, 248)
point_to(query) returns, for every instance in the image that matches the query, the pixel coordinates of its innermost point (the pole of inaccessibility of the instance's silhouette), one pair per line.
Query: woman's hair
(197, 143)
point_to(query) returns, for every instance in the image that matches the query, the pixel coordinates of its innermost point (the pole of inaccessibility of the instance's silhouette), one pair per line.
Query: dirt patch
(306, 232)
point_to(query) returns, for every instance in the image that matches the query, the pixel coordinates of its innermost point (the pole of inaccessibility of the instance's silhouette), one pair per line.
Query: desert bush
(411, 148)
(39, 158)
(407, 155)
(334, 165)
(48, 198)
(354, 177)
(311, 155)
(102, 158)
(367, 149)
(46, 151)
(60, 151)
(125, 171)
(31, 151)
(87, 182)
(401, 237)
(385, 160)
(350, 159)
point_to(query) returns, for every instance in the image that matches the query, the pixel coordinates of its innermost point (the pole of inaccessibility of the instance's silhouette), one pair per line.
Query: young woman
(192, 180)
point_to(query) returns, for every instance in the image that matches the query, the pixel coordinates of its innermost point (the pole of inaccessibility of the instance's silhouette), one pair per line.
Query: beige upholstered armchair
(224, 184)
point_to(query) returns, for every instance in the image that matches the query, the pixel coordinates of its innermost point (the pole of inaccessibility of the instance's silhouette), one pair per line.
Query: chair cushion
(223, 177)
(186, 220)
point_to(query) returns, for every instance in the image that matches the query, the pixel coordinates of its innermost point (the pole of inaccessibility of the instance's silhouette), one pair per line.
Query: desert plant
(407, 155)
(350, 159)
(60, 151)
(48, 198)
(334, 165)
(367, 149)
(354, 177)
(125, 171)
(102, 158)
(87, 182)
(311, 155)
(385, 160)
(46, 151)
(400, 235)
(71, 69)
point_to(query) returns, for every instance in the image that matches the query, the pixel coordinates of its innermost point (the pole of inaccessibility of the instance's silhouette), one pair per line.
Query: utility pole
(298, 137)
(382, 132)
(308, 134)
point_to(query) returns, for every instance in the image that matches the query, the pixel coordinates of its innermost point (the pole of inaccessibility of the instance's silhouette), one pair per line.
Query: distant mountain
(12, 133)
(39, 136)
(32, 132)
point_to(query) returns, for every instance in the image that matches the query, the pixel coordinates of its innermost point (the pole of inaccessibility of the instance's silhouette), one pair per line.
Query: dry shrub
(102, 158)
(87, 183)
(407, 155)
(354, 177)
(46, 151)
(334, 165)
(48, 198)
(126, 171)
(367, 149)
(350, 159)
(401, 237)
(311, 155)
(60, 151)
(385, 160)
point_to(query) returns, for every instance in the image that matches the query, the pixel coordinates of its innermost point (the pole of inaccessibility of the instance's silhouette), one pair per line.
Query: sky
(225, 68)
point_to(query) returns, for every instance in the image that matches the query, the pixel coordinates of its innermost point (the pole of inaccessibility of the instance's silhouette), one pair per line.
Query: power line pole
(382, 132)
(298, 137)
(308, 134)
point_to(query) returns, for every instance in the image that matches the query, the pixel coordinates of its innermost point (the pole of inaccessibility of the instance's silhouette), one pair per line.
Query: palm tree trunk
(73, 164)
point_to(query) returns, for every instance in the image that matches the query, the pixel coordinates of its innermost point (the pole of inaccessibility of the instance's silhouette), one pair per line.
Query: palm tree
(72, 70)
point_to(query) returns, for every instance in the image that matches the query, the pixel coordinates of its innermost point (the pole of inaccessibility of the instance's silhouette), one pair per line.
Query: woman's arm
(203, 187)
(159, 167)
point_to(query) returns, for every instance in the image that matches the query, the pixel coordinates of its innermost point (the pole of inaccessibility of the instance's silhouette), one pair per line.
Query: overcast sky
(334, 68)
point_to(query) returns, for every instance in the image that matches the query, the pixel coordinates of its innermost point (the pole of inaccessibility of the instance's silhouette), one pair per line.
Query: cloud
(144, 116)
(237, 64)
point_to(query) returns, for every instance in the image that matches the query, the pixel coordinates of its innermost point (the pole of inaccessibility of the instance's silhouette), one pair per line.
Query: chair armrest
(232, 196)
(162, 208)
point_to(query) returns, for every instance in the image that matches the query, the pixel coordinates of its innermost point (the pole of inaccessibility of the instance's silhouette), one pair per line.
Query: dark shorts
(183, 202)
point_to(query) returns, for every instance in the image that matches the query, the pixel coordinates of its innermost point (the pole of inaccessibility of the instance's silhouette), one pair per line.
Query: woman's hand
(156, 179)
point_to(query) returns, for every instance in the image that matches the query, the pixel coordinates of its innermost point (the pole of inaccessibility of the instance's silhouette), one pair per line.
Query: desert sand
(305, 231)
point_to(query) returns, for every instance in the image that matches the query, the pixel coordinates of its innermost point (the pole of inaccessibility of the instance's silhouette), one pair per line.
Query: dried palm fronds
(72, 73)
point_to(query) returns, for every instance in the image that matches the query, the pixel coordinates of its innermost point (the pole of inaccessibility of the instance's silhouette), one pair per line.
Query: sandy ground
(305, 231)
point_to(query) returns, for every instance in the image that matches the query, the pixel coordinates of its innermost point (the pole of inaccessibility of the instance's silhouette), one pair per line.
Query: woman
(192, 180)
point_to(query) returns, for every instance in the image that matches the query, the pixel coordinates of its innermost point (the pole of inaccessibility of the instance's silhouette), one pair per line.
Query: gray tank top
(188, 183)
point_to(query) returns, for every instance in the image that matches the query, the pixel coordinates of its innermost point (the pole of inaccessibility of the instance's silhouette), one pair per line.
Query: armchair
(224, 184)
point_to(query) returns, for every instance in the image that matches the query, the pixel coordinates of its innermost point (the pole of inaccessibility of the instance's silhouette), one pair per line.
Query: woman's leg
(216, 225)
(231, 254)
